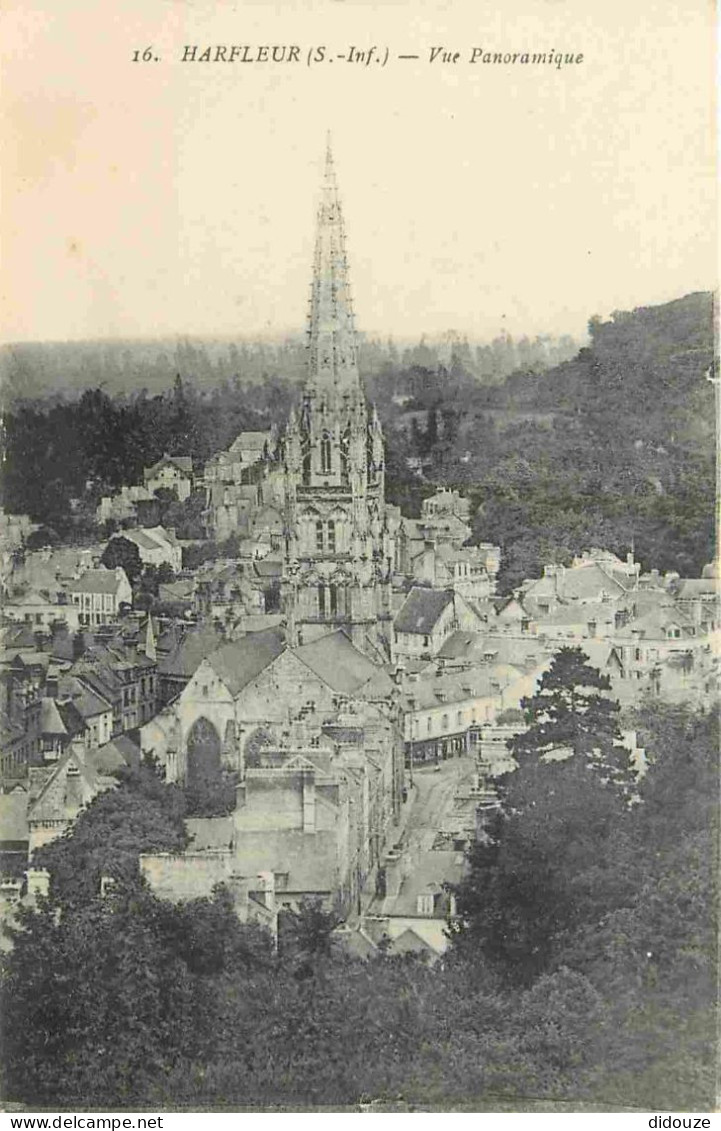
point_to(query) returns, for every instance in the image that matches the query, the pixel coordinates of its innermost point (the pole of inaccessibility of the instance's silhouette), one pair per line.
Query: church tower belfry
(338, 558)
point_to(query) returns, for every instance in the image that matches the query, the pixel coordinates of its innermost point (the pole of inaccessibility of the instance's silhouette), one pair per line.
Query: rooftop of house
(477, 647)
(250, 441)
(310, 861)
(99, 581)
(582, 582)
(422, 609)
(182, 590)
(87, 702)
(186, 657)
(78, 778)
(121, 751)
(60, 720)
(466, 554)
(435, 690)
(657, 622)
(182, 463)
(600, 612)
(431, 872)
(14, 817)
(692, 587)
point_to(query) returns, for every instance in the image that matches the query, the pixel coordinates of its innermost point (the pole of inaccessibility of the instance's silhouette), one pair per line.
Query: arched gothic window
(325, 453)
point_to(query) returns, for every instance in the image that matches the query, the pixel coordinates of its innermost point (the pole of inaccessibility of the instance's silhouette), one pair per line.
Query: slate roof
(187, 656)
(601, 612)
(254, 441)
(60, 719)
(13, 817)
(657, 621)
(96, 581)
(120, 751)
(448, 553)
(471, 646)
(456, 687)
(433, 869)
(581, 582)
(310, 861)
(421, 609)
(239, 662)
(183, 463)
(335, 660)
(86, 701)
(689, 587)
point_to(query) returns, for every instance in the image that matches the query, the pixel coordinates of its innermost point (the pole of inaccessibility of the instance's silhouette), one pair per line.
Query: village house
(174, 473)
(156, 545)
(57, 797)
(470, 571)
(440, 708)
(39, 611)
(413, 909)
(426, 619)
(99, 595)
(122, 506)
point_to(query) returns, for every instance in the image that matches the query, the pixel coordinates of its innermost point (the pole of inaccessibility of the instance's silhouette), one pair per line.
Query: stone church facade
(339, 547)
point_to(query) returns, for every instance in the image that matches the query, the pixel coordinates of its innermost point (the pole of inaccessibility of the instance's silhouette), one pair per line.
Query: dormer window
(425, 904)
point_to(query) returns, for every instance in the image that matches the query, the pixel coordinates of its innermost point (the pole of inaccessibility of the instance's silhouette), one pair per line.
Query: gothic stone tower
(338, 560)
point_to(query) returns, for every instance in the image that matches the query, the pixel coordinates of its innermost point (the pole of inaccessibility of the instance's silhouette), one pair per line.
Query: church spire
(332, 363)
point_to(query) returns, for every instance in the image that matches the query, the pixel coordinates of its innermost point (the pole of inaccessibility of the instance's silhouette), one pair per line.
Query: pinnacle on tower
(332, 364)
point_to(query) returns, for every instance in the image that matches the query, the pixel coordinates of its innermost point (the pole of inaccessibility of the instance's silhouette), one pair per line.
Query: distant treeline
(65, 369)
(613, 448)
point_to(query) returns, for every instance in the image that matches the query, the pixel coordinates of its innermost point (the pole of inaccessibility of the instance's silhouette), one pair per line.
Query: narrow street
(433, 793)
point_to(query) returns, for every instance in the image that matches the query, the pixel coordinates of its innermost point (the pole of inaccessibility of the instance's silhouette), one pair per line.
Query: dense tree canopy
(142, 814)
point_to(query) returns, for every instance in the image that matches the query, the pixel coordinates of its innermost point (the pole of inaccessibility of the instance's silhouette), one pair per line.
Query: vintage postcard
(358, 562)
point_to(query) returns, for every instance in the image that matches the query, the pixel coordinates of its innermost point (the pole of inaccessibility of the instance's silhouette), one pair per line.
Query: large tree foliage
(102, 998)
(142, 814)
(131, 1001)
(121, 553)
(573, 713)
(543, 870)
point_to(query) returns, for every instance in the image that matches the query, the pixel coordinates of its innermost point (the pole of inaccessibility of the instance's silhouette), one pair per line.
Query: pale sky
(144, 200)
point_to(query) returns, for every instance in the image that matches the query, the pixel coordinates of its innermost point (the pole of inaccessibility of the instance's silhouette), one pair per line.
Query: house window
(428, 726)
(319, 542)
(444, 722)
(426, 641)
(321, 600)
(333, 595)
(331, 537)
(459, 718)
